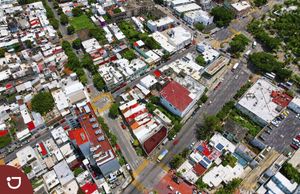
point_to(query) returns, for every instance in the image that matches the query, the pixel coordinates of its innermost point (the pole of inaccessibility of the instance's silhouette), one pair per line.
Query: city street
(186, 136)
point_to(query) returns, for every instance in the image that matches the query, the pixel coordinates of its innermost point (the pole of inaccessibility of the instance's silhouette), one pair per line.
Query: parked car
(294, 146)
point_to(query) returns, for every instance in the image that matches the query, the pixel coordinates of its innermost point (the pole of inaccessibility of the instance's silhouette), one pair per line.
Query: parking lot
(282, 136)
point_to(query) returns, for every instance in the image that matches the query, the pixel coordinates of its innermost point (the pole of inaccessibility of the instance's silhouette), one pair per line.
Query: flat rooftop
(187, 7)
(258, 100)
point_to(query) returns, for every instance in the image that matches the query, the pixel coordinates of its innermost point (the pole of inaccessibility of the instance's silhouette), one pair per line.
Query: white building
(163, 41)
(116, 31)
(257, 102)
(148, 81)
(91, 45)
(278, 184)
(295, 105)
(198, 16)
(61, 102)
(161, 24)
(179, 37)
(241, 7)
(181, 9)
(209, 54)
(181, 2)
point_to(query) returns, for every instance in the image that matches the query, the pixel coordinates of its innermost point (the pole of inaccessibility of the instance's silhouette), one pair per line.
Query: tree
(290, 172)
(176, 161)
(222, 16)
(88, 63)
(151, 43)
(77, 11)
(200, 184)
(64, 19)
(129, 54)
(114, 110)
(55, 4)
(98, 82)
(28, 43)
(199, 26)
(42, 103)
(230, 187)
(212, 122)
(238, 44)
(2, 52)
(54, 22)
(200, 60)
(159, 2)
(76, 44)
(265, 62)
(70, 30)
(259, 3)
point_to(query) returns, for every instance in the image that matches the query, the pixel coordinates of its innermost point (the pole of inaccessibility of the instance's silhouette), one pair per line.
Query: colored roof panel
(177, 95)
(79, 136)
(30, 126)
(199, 169)
(89, 188)
(3, 132)
(153, 141)
(219, 146)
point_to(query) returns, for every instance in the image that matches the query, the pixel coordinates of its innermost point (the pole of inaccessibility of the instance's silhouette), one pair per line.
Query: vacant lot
(82, 22)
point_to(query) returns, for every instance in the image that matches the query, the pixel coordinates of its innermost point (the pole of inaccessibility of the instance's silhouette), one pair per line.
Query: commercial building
(178, 37)
(278, 184)
(209, 54)
(295, 105)
(161, 24)
(216, 65)
(181, 2)
(181, 9)
(198, 16)
(163, 41)
(241, 8)
(258, 103)
(178, 99)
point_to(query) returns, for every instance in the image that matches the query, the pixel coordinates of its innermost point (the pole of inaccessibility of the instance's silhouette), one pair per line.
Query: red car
(176, 141)
(294, 146)
(66, 127)
(217, 86)
(123, 125)
(298, 137)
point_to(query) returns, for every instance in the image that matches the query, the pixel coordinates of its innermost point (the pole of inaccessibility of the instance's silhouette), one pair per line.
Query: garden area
(82, 22)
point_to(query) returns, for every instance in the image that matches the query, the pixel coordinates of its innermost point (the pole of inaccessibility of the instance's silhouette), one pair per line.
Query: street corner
(169, 184)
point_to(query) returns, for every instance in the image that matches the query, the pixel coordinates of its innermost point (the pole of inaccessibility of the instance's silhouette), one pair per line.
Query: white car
(128, 167)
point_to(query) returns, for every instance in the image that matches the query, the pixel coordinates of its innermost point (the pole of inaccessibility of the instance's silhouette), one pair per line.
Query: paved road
(186, 136)
(172, 58)
(33, 141)
(124, 137)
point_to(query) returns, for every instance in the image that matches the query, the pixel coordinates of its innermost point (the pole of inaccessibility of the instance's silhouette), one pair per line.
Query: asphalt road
(174, 57)
(230, 85)
(124, 137)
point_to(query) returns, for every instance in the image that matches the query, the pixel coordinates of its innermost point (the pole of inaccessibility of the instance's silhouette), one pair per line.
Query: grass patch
(36, 183)
(78, 171)
(244, 121)
(82, 22)
(5, 140)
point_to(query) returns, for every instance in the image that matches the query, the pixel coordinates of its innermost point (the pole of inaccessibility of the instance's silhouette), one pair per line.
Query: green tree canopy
(266, 62)
(42, 103)
(222, 16)
(129, 54)
(200, 60)
(114, 110)
(98, 82)
(259, 3)
(238, 43)
(28, 43)
(176, 161)
(76, 44)
(64, 19)
(199, 26)
(77, 11)
(2, 52)
(70, 30)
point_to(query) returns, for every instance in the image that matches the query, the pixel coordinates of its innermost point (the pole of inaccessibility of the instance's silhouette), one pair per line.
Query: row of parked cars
(277, 120)
(296, 142)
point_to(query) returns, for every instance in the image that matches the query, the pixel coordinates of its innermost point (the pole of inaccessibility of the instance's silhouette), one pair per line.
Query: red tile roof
(153, 141)
(3, 132)
(177, 95)
(281, 98)
(88, 128)
(42, 149)
(30, 126)
(157, 73)
(89, 188)
(79, 136)
(199, 169)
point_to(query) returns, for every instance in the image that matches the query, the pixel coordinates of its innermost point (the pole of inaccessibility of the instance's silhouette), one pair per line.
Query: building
(181, 9)
(178, 99)
(278, 184)
(148, 81)
(241, 8)
(178, 37)
(161, 24)
(209, 54)
(63, 172)
(258, 103)
(181, 2)
(198, 16)
(163, 41)
(295, 105)
(91, 45)
(216, 66)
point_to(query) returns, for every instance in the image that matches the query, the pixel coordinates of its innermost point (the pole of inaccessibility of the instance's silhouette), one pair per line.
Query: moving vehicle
(254, 44)
(235, 66)
(247, 53)
(162, 155)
